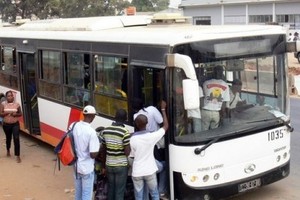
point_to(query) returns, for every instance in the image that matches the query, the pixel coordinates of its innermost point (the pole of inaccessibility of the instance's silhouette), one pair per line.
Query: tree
(150, 5)
(23, 8)
(45, 9)
(8, 10)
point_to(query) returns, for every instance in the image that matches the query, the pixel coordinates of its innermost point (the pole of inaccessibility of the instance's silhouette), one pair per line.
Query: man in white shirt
(142, 145)
(87, 147)
(216, 93)
(153, 115)
(155, 120)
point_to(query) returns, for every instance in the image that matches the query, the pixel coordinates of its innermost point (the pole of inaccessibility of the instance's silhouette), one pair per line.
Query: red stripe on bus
(50, 130)
(75, 115)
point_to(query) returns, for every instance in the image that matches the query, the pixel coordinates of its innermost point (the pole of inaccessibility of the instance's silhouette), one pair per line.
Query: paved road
(288, 188)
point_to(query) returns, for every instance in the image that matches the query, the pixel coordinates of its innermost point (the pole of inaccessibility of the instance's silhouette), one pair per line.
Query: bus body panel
(234, 157)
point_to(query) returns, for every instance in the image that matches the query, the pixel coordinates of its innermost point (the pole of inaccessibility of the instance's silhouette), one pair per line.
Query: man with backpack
(87, 146)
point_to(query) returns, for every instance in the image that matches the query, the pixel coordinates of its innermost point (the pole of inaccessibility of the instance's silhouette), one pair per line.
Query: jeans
(139, 185)
(12, 130)
(162, 179)
(162, 176)
(211, 119)
(117, 179)
(84, 186)
(197, 125)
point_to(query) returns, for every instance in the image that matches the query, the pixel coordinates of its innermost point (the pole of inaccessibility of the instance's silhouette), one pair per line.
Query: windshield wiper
(287, 124)
(261, 120)
(198, 151)
(279, 120)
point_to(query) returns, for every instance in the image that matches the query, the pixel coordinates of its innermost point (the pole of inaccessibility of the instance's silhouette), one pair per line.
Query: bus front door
(28, 80)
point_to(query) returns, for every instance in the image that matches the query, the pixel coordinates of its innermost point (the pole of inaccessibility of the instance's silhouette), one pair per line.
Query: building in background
(221, 12)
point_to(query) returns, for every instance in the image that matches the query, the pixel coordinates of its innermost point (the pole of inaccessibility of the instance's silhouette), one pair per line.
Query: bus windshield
(242, 86)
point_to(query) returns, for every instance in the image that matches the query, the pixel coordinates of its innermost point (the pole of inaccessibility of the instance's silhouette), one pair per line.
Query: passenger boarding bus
(56, 67)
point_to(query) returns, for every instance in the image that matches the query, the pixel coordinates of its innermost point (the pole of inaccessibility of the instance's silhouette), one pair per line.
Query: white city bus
(56, 67)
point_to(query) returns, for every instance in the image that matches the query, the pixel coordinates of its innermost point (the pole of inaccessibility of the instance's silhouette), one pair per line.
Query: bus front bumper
(183, 192)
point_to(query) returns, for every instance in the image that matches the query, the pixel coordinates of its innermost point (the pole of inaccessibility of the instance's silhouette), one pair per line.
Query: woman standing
(11, 111)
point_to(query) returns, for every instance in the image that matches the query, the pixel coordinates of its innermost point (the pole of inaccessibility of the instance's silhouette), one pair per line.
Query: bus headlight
(285, 155)
(205, 178)
(216, 176)
(278, 158)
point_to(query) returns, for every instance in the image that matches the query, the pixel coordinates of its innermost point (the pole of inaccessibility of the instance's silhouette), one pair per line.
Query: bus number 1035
(275, 135)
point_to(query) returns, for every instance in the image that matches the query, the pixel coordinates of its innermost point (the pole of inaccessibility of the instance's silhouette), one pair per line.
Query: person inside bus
(144, 166)
(235, 99)
(260, 100)
(155, 121)
(194, 115)
(216, 94)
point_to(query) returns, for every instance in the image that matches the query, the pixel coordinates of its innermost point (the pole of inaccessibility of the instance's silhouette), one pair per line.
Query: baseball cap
(89, 110)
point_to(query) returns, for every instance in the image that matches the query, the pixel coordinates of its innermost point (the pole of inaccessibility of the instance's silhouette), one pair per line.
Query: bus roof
(131, 29)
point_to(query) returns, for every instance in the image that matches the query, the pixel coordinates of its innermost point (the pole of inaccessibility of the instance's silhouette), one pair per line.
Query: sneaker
(163, 196)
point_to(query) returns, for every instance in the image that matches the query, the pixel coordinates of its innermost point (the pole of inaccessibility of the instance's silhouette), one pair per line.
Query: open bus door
(28, 92)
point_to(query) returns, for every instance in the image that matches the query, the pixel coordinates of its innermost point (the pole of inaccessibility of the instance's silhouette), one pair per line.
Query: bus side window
(110, 84)
(50, 76)
(8, 66)
(77, 79)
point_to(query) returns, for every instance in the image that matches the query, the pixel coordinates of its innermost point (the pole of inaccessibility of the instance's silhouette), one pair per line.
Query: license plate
(249, 185)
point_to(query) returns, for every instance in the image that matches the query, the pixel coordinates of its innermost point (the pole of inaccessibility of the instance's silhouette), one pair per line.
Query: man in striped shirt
(115, 145)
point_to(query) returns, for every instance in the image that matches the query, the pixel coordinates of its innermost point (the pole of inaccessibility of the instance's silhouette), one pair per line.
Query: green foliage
(44, 9)
(150, 5)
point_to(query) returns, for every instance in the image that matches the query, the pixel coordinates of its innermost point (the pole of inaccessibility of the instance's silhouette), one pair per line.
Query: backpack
(65, 149)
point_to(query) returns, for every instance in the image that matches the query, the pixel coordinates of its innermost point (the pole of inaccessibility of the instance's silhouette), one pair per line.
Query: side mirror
(191, 94)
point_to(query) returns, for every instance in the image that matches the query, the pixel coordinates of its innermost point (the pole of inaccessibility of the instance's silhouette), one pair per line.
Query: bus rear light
(205, 178)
